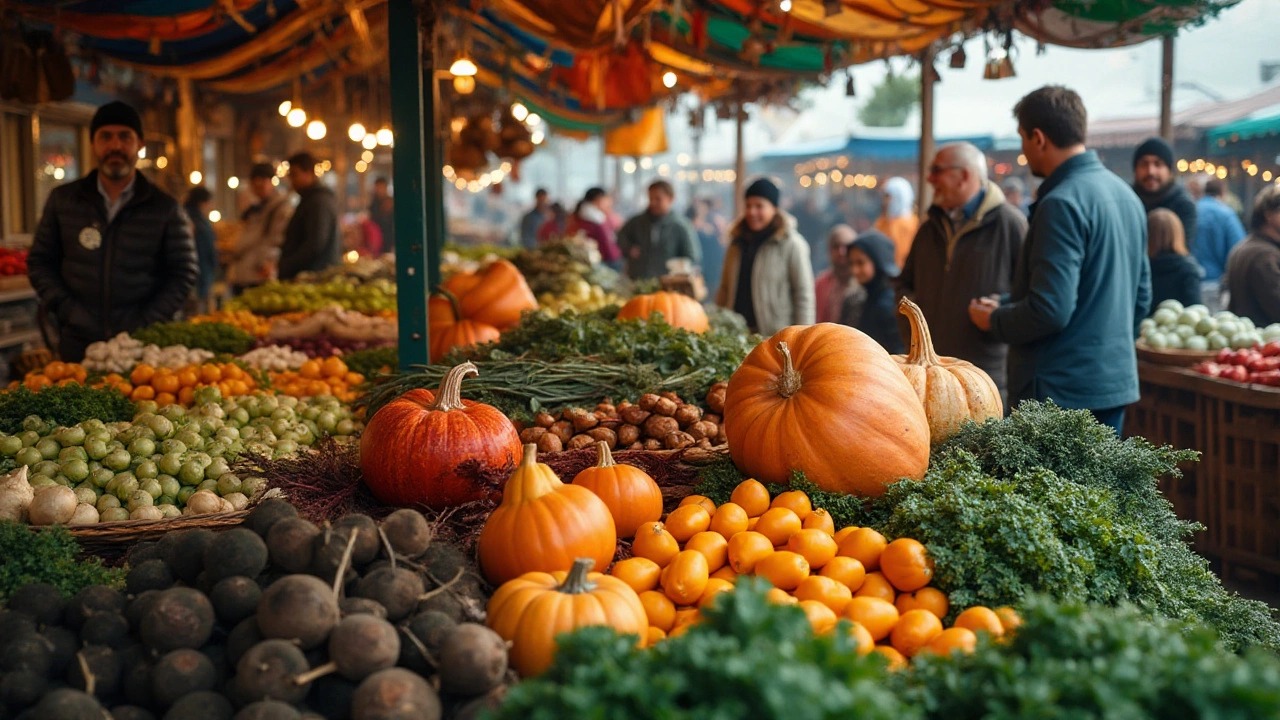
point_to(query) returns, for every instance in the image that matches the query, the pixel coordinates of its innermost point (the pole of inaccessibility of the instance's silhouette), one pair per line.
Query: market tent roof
(893, 146)
(1111, 23)
(1187, 124)
(1264, 123)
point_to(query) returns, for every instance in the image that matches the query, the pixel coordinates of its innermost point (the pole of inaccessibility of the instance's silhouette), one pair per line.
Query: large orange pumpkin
(544, 525)
(828, 400)
(951, 390)
(413, 446)
(678, 310)
(530, 611)
(493, 296)
(448, 329)
(632, 496)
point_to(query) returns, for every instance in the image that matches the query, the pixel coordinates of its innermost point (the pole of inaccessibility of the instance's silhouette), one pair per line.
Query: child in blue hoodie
(871, 259)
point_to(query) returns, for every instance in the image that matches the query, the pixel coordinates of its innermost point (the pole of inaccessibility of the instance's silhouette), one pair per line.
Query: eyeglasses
(937, 169)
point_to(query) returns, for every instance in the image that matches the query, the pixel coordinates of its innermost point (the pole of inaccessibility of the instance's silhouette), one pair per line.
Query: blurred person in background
(898, 219)
(382, 213)
(262, 231)
(1218, 230)
(1156, 186)
(197, 205)
(767, 277)
(556, 225)
(709, 235)
(591, 218)
(836, 282)
(1175, 275)
(1015, 193)
(313, 238)
(1253, 270)
(874, 311)
(651, 238)
(533, 220)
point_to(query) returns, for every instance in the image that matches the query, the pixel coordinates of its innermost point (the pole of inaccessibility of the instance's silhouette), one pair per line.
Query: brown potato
(577, 442)
(677, 440)
(702, 429)
(605, 435)
(634, 415)
(715, 397)
(584, 421)
(666, 406)
(704, 443)
(562, 429)
(532, 435)
(628, 434)
(670, 396)
(688, 415)
(549, 443)
(659, 426)
(544, 420)
(647, 401)
(652, 444)
(712, 417)
(636, 446)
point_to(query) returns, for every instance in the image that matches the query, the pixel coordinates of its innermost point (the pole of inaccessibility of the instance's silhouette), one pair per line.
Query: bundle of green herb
(370, 361)
(217, 338)
(47, 556)
(64, 405)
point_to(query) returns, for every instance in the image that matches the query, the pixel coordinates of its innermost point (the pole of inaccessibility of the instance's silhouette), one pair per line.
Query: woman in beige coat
(767, 278)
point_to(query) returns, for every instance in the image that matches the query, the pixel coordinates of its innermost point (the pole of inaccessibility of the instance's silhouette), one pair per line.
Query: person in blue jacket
(1082, 282)
(198, 204)
(1218, 230)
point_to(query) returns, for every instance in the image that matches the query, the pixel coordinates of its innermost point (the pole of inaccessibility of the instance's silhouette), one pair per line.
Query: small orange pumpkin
(828, 400)
(494, 296)
(531, 610)
(447, 329)
(632, 496)
(951, 390)
(677, 309)
(543, 524)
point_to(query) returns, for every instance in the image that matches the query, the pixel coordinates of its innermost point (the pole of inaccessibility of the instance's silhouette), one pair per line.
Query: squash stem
(606, 457)
(789, 382)
(530, 457)
(449, 397)
(922, 352)
(577, 583)
(453, 302)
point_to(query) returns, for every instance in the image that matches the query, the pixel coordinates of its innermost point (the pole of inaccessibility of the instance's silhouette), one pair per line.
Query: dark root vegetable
(97, 670)
(421, 641)
(141, 553)
(473, 660)
(68, 704)
(367, 539)
(333, 694)
(444, 562)
(408, 532)
(148, 575)
(268, 512)
(488, 702)
(107, 629)
(236, 552)
(443, 602)
(358, 647)
(13, 624)
(178, 618)
(328, 551)
(131, 712)
(397, 589)
(139, 607)
(91, 600)
(242, 637)
(180, 673)
(235, 598)
(206, 705)
(65, 645)
(298, 607)
(136, 682)
(290, 544)
(185, 553)
(395, 694)
(41, 601)
(28, 651)
(362, 606)
(22, 689)
(268, 670)
(268, 710)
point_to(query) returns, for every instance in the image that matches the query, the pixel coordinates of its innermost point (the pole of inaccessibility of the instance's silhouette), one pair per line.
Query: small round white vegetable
(225, 505)
(53, 505)
(16, 495)
(149, 512)
(238, 500)
(85, 514)
(203, 503)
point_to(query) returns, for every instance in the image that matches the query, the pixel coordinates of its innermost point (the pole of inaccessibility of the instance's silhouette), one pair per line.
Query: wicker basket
(112, 541)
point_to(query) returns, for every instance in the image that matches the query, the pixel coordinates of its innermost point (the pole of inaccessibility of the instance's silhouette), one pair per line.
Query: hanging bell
(957, 59)
(849, 89)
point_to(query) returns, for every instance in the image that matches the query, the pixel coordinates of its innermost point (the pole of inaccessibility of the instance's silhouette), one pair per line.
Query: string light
(519, 111)
(142, 152)
(629, 167)
(361, 166)
(275, 182)
(384, 136)
(356, 132)
(195, 177)
(682, 159)
(669, 79)
(214, 216)
(785, 6)
(537, 137)
(59, 173)
(316, 130)
(463, 67)
(233, 182)
(162, 162)
(367, 156)
(646, 163)
(297, 117)
(464, 84)
(369, 141)
(285, 107)
(533, 119)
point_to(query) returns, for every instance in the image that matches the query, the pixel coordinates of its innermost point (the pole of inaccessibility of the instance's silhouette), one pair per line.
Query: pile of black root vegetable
(275, 620)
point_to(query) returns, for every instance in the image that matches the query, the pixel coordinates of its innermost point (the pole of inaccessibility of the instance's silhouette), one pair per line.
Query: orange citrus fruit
(729, 520)
(846, 570)
(876, 585)
(746, 550)
(865, 545)
(843, 533)
(926, 598)
(795, 501)
(831, 593)
(142, 374)
(713, 547)
(783, 568)
(951, 640)
(713, 588)
(751, 495)
(778, 596)
(815, 545)
(726, 573)
(778, 524)
(980, 619)
(861, 638)
(652, 541)
(640, 573)
(896, 660)
(654, 636)
(686, 521)
(659, 609)
(820, 616)
(311, 370)
(874, 614)
(1009, 618)
(702, 500)
(906, 564)
(914, 630)
(819, 519)
(685, 577)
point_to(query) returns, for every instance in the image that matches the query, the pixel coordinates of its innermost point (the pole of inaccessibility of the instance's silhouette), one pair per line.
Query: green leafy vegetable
(370, 361)
(47, 556)
(62, 405)
(217, 338)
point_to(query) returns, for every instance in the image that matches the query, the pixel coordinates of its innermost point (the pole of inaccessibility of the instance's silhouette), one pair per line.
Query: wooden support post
(739, 164)
(925, 192)
(1166, 89)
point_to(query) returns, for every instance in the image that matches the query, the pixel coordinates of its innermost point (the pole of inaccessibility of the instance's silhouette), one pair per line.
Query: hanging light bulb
(537, 137)
(785, 6)
(195, 177)
(464, 84)
(367, 156)
(356, 132)
(316, 130)
(669, 79)
(463, 67)
(285, 107)
(214, 216)
(233, 182)
(369, 141)
(297, 117)
(519, 111)
(533, 119)
(361, 166)
(384, 136)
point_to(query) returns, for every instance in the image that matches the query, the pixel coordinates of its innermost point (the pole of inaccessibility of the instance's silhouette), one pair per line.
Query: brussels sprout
(191, 473)
(170, 463)
(347, 426)
(1173, 341)
(161, 426)
(117, 460)
(47, 467)
(1206, 326)
(85, 494)
(1173, 305)
(49, 448)
(67, 454)
(146, 469)
(173, 412)
(284, 448)
(34, 424)
(76, 470)
(173, 446)
(125, 485)
(72, 436)
(169, 486)
(29, 438)
(10, 445)
(142, 447)
(169, 510)
(114, 515)
(96, 448)
(28, 456)
(217, 468)
(106, 502)
(185, 493)
(151, 487)
(1185, 332)
(228, 483)
(41, 480)
(101, 477)
(210, 485)
(1165, 317)
(1189, 317)
(139, 498)
(253, 486)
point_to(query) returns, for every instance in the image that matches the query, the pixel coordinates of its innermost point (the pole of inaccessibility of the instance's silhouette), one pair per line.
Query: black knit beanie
(116, 113)
(1154, 146)
(762, 188)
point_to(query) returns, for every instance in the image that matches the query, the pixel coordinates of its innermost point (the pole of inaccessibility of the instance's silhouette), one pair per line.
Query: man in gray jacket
(313, 239)
(653, 237)
(967, 248)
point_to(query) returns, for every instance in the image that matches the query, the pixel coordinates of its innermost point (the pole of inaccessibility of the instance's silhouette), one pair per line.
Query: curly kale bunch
(47, 556)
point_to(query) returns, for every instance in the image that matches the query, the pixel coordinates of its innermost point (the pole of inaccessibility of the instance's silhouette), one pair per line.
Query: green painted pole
(410, 106)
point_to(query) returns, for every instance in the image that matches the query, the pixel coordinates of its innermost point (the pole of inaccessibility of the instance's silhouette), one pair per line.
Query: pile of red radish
(1259, 365)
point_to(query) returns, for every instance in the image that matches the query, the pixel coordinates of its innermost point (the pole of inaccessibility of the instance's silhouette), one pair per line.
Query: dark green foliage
(747, 659)
(48, 556)
(62, 406)
(370, 361)
(891, 101)
(1071, 660)
(218, 338)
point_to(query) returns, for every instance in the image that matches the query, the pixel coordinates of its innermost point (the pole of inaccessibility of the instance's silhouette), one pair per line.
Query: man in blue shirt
(1218, 229)
(1082, 282)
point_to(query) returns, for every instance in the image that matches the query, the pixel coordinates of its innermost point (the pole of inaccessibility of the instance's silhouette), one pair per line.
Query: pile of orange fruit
(55, 373)
(255, 325)
(680, 564)
(319, 376)
(167, 387)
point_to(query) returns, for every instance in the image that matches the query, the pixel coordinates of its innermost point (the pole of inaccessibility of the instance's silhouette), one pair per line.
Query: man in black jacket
(1154, 182)
(313, 240)
(113, 252)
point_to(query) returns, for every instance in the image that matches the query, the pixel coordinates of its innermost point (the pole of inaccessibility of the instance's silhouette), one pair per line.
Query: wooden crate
(1173, 412)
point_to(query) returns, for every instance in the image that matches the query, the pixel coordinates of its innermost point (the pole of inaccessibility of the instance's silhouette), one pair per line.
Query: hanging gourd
(543, 525)
(413, 446)
(951, 390)
(828, 400)
(678, 310)
(633, 498)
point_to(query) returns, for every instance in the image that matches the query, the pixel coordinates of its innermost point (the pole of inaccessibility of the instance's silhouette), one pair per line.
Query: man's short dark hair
(594, 194)
(198, 194)
(262, 171)
(381, 180)
(1215, 188)
(540, 193)
(1267, 202)
(303, 161)
(664, 187)
(1056, 111)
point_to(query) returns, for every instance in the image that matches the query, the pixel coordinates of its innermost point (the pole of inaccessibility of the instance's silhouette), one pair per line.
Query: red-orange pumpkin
(678, 310)
(448, 329)
(632, 496)
(828, 400)
(413, 445)
(494, 296)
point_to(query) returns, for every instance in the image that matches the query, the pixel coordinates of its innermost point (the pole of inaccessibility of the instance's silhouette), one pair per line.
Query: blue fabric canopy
(868, 148)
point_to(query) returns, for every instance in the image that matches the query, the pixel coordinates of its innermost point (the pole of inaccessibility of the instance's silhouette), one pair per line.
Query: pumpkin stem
(449, 397)
(606, 457)
(530, 457)
(576, 582)
(453, 302)
(922, 352)
(789, 382)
